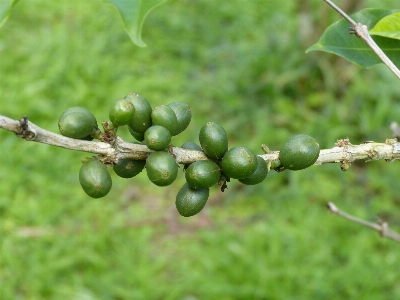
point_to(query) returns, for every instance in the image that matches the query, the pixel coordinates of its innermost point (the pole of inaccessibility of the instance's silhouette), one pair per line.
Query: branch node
(345, 165)
(24, 123)
(265, 149)
(223, 182)
(343, 142)
(109, 134)
(391, 141)
(384, 229)
(359, 30)
(25, 131)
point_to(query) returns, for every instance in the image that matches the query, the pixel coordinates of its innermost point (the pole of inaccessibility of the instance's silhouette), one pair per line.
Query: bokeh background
(240, 63)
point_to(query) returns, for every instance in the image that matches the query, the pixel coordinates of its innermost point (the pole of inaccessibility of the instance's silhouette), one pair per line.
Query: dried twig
(361, 31)
(381, 227)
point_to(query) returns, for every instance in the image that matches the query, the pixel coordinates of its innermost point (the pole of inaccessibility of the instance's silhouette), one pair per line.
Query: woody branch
(343, 152)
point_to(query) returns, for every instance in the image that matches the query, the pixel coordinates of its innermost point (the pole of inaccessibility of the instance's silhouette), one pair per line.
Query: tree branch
(381, 227)
(361, 31)
(343, 152)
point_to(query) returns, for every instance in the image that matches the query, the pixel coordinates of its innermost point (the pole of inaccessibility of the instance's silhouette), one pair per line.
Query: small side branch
(361, 31)
(381, 227)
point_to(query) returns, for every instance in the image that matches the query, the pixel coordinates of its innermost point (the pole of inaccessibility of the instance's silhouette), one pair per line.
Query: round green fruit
(161, 168)
(183, 115)
(299, 152)
(157, 137)
(239, 162)
(88, 138)
(191, 146)
(190, 201)
(138, 136)
(202, 174)
(213, 140)
(141, 119)
(122, 112)
(164, 116)
(128, 168)
(77, 122)
(258, 175)
(95, 179)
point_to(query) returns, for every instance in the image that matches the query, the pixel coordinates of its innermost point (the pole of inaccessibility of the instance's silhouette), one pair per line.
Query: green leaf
(389, 27)
(133, 13)
(5, 10)
(337, 40)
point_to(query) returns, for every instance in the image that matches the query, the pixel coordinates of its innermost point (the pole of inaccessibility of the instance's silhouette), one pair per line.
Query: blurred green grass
(240, 64)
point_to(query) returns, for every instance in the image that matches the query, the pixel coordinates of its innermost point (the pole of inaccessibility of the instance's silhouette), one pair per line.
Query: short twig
(361, 31)
(382, 228)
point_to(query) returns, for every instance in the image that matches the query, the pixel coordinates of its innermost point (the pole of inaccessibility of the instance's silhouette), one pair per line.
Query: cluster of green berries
(155, 128)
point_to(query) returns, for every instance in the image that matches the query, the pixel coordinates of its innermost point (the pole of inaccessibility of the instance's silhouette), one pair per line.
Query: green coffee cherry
(164, 116)
(190, 201)
(191, 146)
(161, 168)
(202, 174)
(121, 113)
(141, 119)
(239, 162)
(183, 115)
(95, 179)
(258, 175)
(157, 137)
(88, 138)
(128, 168)
(138, 136)
(213, 140)
(299, 152)
(77, 122)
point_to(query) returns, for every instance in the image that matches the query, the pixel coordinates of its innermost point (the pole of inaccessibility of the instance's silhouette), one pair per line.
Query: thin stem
(361, 31)
(344, 15)
(382, 228)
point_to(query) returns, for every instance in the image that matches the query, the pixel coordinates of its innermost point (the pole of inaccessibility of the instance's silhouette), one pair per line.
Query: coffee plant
(212, 162)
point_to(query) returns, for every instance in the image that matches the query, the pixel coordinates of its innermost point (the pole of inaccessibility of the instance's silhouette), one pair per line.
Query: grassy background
(240, 64)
